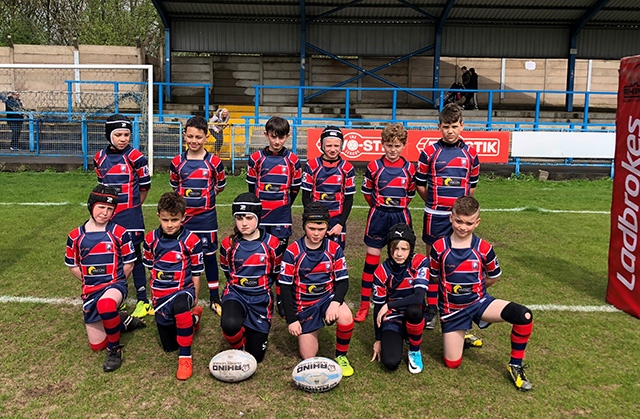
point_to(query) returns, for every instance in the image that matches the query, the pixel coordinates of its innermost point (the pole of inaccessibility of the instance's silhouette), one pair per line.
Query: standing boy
(447, 169)
(126, 169)
(314, 281)
(464, 266)
(100, 254)
(388, 188)
(174, 257)
(332, 181)
(274, 176)
(199, 177)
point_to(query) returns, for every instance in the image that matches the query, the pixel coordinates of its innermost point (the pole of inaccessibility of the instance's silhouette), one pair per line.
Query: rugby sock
(184, 328)
(520, 334)
(453, 364)
(140, 281)
(96, 347)
(343, 337)
(211, 270)
(414, 331)
(108, 311)
(236, 341)
(432, 293)
(370, 264)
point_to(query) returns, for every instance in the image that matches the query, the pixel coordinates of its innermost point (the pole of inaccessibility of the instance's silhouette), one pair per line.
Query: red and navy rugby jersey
(390, 185)
(389, 286)
(461, 272)
(249, 264)
(128, 172)
(329, 182)
(199, 182)
(312, 273)
(273, 176)
(172, 261)
(100, 255)
(448, 172)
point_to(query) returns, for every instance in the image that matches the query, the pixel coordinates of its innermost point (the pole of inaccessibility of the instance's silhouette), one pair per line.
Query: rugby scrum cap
(247, 203)
(116, 122)
(401, 231)
(102, 193)
(331, 132)
(315, 212)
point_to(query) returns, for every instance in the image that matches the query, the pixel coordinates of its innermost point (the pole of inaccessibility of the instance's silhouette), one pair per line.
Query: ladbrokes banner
(623, 289)
(365, 145)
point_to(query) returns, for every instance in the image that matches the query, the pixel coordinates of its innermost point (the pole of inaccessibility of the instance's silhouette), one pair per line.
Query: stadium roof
(543, 13)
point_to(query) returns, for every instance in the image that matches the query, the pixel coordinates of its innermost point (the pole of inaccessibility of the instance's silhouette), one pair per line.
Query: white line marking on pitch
(132, 302)
(517, 209)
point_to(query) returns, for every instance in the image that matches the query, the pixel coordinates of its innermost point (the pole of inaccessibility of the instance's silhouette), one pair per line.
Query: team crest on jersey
(146, 171)
(284, 169)
(123, 168)
(109, 246)
(338, 178)
(327, 265)
(463, 162)
(402, 181)
(205, 173)
(262, 259)
(475, 265)
(204, 241)
(178, 257)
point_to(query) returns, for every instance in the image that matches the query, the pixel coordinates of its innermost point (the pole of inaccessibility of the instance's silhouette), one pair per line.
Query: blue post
(167, 61)
(585, 117)
(160, 103)
(394, 104)
(347, 110)
(490, 110)
(31, 133)
(116, 89)
(537, 115)
(69, 100)
(135, 141)
(84, 130)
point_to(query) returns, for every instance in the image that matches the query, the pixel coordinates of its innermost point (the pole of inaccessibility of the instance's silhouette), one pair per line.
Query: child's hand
(377, 350)
(295, 328)
(332, 312)
(382, 314)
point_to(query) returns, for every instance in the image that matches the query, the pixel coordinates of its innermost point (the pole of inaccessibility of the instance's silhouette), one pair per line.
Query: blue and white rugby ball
(233, 365)
(316, 375)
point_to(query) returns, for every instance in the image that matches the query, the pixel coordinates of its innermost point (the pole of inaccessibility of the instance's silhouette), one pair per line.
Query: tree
(96, 22)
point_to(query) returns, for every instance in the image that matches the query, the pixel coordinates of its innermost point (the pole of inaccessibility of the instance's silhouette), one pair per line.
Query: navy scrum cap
(315, 212)
(331, 132)
(116, 122)
(102, 193)
(401, 231)
(247, 203)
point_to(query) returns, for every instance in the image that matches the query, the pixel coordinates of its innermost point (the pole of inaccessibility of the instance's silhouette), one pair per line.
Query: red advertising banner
(365, 145)
(623, 290)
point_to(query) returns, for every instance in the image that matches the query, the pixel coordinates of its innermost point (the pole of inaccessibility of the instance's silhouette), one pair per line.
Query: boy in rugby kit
(399, 288)
(274, 175)
(314, 281)
(199, 177)
(332, 181)
(249, 261)
(173, 256)
(126, 169)
(388, 188)
(447, 169)
(101, 255)
(464, 266)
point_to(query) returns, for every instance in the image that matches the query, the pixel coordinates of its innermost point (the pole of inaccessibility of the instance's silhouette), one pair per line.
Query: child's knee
(515, 313)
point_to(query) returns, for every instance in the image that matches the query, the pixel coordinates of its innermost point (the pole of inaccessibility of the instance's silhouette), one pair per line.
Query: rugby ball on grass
(316, 375)
(233, 365)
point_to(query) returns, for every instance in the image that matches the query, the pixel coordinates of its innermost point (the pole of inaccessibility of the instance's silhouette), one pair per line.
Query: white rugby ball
(316, 375)
(233, 365)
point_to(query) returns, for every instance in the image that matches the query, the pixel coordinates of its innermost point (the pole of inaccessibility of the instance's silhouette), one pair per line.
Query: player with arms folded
(464, 266)
(314, 281)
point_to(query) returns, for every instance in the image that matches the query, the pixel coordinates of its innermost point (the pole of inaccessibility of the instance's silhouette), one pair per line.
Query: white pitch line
(517, 209)
(77, 301)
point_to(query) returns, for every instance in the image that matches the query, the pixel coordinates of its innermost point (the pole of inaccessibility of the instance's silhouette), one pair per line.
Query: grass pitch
(584, 362)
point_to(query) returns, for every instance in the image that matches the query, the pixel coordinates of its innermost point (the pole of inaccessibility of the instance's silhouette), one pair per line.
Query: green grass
(582, 364)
